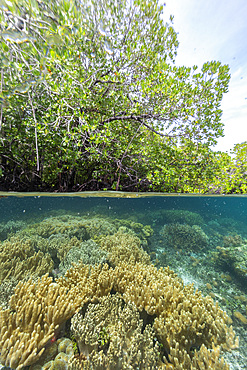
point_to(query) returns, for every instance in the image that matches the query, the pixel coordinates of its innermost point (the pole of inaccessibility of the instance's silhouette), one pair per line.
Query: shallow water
(203, 239)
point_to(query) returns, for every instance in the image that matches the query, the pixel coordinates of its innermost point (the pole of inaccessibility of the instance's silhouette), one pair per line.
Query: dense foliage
(91, 99)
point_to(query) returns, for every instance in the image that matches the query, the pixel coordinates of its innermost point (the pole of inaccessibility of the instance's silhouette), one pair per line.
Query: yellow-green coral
(18, 259)
(111, 335)
(143, 232)
(185, 323)
(81, 228)
(35, 312)
(124, 246)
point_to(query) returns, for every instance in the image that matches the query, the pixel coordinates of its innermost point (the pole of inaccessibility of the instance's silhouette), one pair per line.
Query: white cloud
(216, 30)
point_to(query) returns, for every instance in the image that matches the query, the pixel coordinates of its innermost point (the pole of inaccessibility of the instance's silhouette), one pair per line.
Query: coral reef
(88, 251)
(181, 216)
(56, 245)
(207, 359)
(233, 258)
(183, 319)
(35, 313)
(123, 246)
(143, 232)
(56, 356)
(111, 335)
(59, 245)
(81, 228)
(10, 227)
(184, 236)
(186, 325)
(18, 259)
(57, 235)
(68, 225)
(232, 240)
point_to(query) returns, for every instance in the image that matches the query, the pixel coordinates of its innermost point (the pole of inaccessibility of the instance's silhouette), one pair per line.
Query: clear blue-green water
(203, 239)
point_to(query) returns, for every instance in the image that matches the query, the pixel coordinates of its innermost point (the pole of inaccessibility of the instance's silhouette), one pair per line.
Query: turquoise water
(203, 239)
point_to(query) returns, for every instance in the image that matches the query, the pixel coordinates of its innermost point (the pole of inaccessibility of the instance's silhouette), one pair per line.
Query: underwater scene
(123, 282)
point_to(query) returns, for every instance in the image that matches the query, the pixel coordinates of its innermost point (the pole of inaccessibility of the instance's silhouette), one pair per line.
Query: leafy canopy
(94, 79)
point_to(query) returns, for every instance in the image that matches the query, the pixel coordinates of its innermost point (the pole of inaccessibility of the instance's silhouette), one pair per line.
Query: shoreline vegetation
(212, 173)
(91, 99)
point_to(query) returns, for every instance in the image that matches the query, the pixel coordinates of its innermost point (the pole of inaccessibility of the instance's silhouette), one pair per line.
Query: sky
(216, 30)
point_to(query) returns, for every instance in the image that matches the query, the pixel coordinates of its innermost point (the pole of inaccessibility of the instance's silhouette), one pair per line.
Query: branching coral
(143, 232)
(19, 259)
(57, 245)
(111, 335)
(124, 246)
(68, 225)
(87, 283)
(184, 320)
(82, 228)
(186, 324)
(36, 312)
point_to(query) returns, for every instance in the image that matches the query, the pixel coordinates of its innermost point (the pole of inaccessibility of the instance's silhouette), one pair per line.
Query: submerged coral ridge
(125, 313)
(183, 320)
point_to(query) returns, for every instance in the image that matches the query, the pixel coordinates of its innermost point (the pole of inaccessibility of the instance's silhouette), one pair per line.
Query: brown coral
(111, 335)
(36, 312)
(18, 259)
(184, 320)
(186, 323)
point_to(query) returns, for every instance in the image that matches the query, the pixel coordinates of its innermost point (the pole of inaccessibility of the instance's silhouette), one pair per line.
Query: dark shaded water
(209, 206)
(202, 238)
